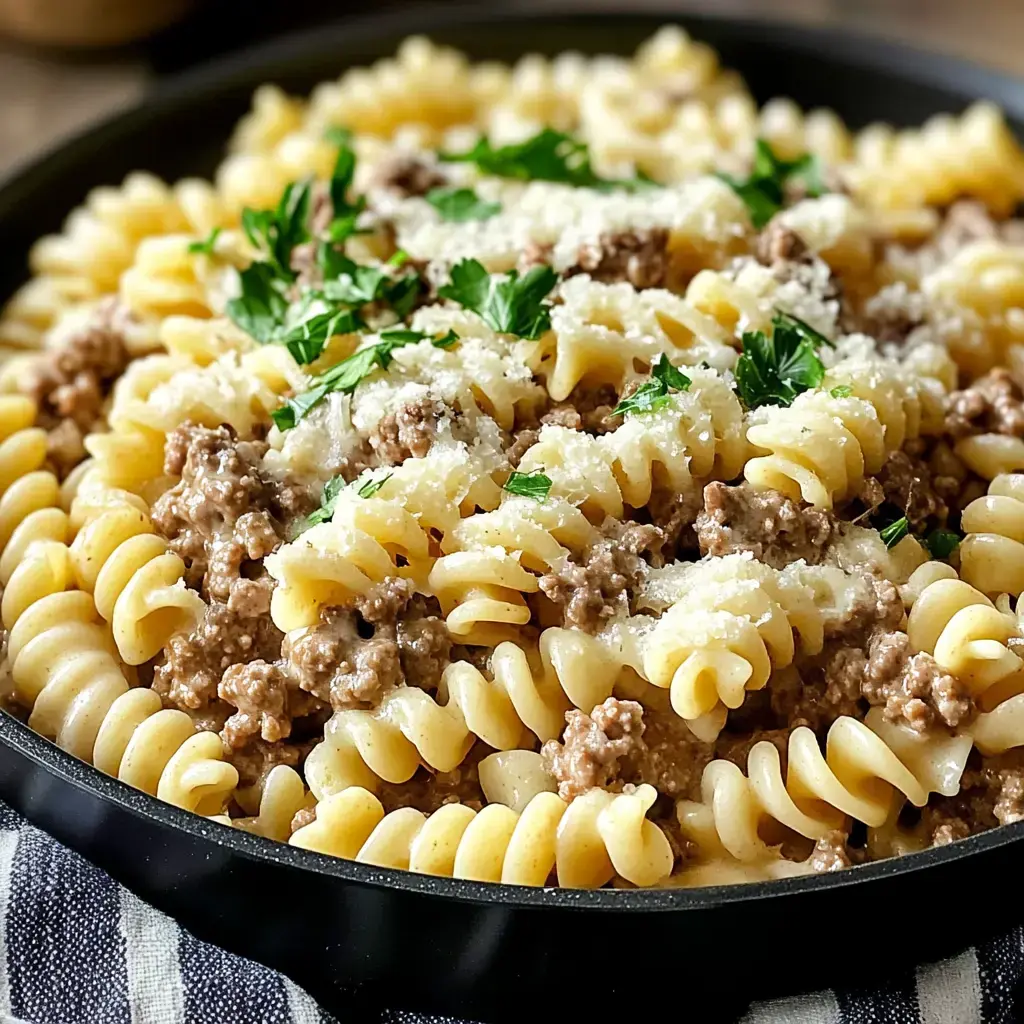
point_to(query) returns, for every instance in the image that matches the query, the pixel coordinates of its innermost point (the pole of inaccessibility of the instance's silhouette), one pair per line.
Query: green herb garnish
(895, 532)
(547, 156)
(328, 502)
(342, 378)
(942, 543)
(277, 232)
(408, 336)
(763, 191)
(205, 246)
(529, 485)
(510, 304)
(461, 204)
(261, 307)
(344, 214)
(371, 487)
(841, 391)
(774, 370)
(653, 394)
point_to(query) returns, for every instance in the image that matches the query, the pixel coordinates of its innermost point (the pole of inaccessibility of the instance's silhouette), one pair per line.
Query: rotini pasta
(566, 473)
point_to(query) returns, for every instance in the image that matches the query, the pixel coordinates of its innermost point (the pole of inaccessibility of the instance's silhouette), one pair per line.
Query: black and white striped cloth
(77, 948)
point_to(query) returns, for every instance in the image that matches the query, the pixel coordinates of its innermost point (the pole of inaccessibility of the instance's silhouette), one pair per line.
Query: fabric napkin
(77, 948)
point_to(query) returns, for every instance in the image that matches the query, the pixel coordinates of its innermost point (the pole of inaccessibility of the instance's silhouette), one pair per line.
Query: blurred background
(64, 63)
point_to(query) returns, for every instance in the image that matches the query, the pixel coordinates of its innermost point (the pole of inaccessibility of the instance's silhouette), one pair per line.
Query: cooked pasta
(568, 473)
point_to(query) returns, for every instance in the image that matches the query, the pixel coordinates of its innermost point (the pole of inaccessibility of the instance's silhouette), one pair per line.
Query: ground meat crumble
(72, 383)
(604, 582)
(639, 257)
(767, 524)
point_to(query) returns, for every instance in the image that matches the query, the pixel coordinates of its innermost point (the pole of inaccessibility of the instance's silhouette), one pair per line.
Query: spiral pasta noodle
(586, 843)
(856, 776)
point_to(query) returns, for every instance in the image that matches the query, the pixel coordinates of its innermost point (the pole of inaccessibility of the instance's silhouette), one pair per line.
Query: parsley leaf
(653, 394)
(261, 306)
(510, 304)
(804, 329)
(763, 191)
(841, 391)
(529, 485)
(344, 213)
(343, 378)
(308, 336)
(352, 284)
(328, 501)
(371, 487)
(895, 532)
(774, 370)
(461, 204)
(942, 543)
(547, 156)
(205, 246)
(407, 336)
(277, 232)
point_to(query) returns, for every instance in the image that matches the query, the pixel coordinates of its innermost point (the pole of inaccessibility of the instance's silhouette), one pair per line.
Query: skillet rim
(187, 89)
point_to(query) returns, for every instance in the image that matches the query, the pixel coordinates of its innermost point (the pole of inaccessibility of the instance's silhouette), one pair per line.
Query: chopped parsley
(344, 213)
(529, 485)
(354, 285)
(653, 394)
(841, 391)
(942, 543)
(763, 191)
(261, 307)
(895, 532)
(407, 336)
(508, 303)
(774, 369)
(547, 156)
(343, 378)
(277, 232)
(205, 246)
(461, 204)
(328, 501)
(372, 486)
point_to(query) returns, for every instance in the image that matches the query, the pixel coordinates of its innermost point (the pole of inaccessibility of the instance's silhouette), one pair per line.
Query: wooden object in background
(84, 23)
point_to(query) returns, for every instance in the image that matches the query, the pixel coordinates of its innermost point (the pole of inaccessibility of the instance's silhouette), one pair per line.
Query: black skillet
(488, 951)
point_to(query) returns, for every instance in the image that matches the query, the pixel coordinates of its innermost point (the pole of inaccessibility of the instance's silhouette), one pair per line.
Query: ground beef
(522, 441)
(71, 383)
(675, 514)
(830, 853)
(353, 656)
(993, 404)
(604, 583)
(339, 666)
(224, 515)
(406, 434)
(593, 745)
(621, 743)
(778, 245)
(773, 528)
(911, 688)
(257, 759)
(588, 408)
(193, 663)
(991, 793)
(639, 257)
(907, 482)
(259, 693)
(424, 645)
(428, 791)
(408, 174)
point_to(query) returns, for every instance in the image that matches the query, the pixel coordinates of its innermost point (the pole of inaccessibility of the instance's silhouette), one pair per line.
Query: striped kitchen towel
(77, 948)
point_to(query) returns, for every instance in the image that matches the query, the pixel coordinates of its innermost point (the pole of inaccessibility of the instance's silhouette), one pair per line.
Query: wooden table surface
(46, 95)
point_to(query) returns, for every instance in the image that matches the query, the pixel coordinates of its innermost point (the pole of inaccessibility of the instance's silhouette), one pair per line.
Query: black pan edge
(235, 72)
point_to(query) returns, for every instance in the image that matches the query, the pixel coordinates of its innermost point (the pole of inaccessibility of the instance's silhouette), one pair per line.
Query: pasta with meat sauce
(560, 474)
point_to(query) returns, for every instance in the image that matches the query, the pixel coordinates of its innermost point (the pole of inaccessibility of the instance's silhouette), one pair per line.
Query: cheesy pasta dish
(568, 473)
